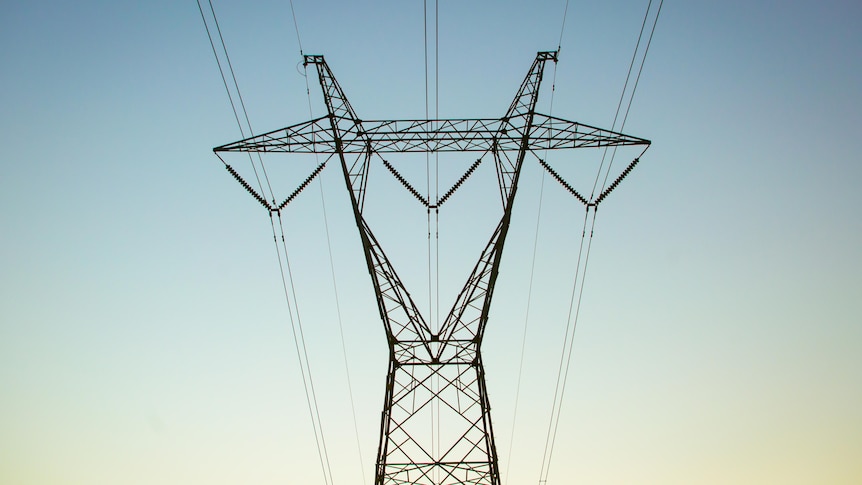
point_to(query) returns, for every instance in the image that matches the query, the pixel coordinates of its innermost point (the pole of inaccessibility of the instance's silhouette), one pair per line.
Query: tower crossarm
(313, 136)
(552, 133)
(420, 136)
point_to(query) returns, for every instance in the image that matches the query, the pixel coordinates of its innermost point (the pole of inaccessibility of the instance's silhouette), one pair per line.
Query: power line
(550, 437)
(227, 90)
(580, 273)
(568, 343)
(296, 28)
(345, 358)
(533, 259)
(241, 101)
(341, 330)
(641, 68)
(311, 396)
(526, 321)
(296, 325)
(637, 80)
(563, 27)
(533, 262)
(622, 97)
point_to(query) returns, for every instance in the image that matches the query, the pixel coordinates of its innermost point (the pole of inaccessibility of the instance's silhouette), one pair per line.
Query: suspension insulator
(403, 181)
(301, 187)
(459, 182)
(562, 182)
(247, 187)
(617, 181)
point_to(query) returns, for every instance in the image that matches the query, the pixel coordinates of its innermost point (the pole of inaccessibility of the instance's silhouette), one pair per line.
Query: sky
(144, 335)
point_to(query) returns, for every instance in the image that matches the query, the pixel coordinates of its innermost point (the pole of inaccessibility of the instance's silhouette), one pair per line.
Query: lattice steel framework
(429, 369)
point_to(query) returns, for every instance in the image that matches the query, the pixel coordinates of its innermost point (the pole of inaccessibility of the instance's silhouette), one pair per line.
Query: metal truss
(430, 371)
(419, 136)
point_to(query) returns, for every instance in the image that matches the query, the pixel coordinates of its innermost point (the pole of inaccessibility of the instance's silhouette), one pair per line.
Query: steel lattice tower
(418, 355)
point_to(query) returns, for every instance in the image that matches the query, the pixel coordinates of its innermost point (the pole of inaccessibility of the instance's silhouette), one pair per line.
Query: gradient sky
(143, 331)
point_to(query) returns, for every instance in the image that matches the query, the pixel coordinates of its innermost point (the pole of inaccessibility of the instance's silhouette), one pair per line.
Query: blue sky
(143, 332)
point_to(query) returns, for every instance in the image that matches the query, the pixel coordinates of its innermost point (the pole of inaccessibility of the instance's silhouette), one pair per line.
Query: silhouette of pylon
(434, 371)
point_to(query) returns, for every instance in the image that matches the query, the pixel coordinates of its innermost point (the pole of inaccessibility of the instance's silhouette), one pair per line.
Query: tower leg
(436, 425)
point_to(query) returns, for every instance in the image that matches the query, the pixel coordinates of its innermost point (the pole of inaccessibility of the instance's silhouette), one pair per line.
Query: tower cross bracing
(434, 369)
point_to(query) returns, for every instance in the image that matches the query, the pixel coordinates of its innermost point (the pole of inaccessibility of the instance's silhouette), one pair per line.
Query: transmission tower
(430, 369)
